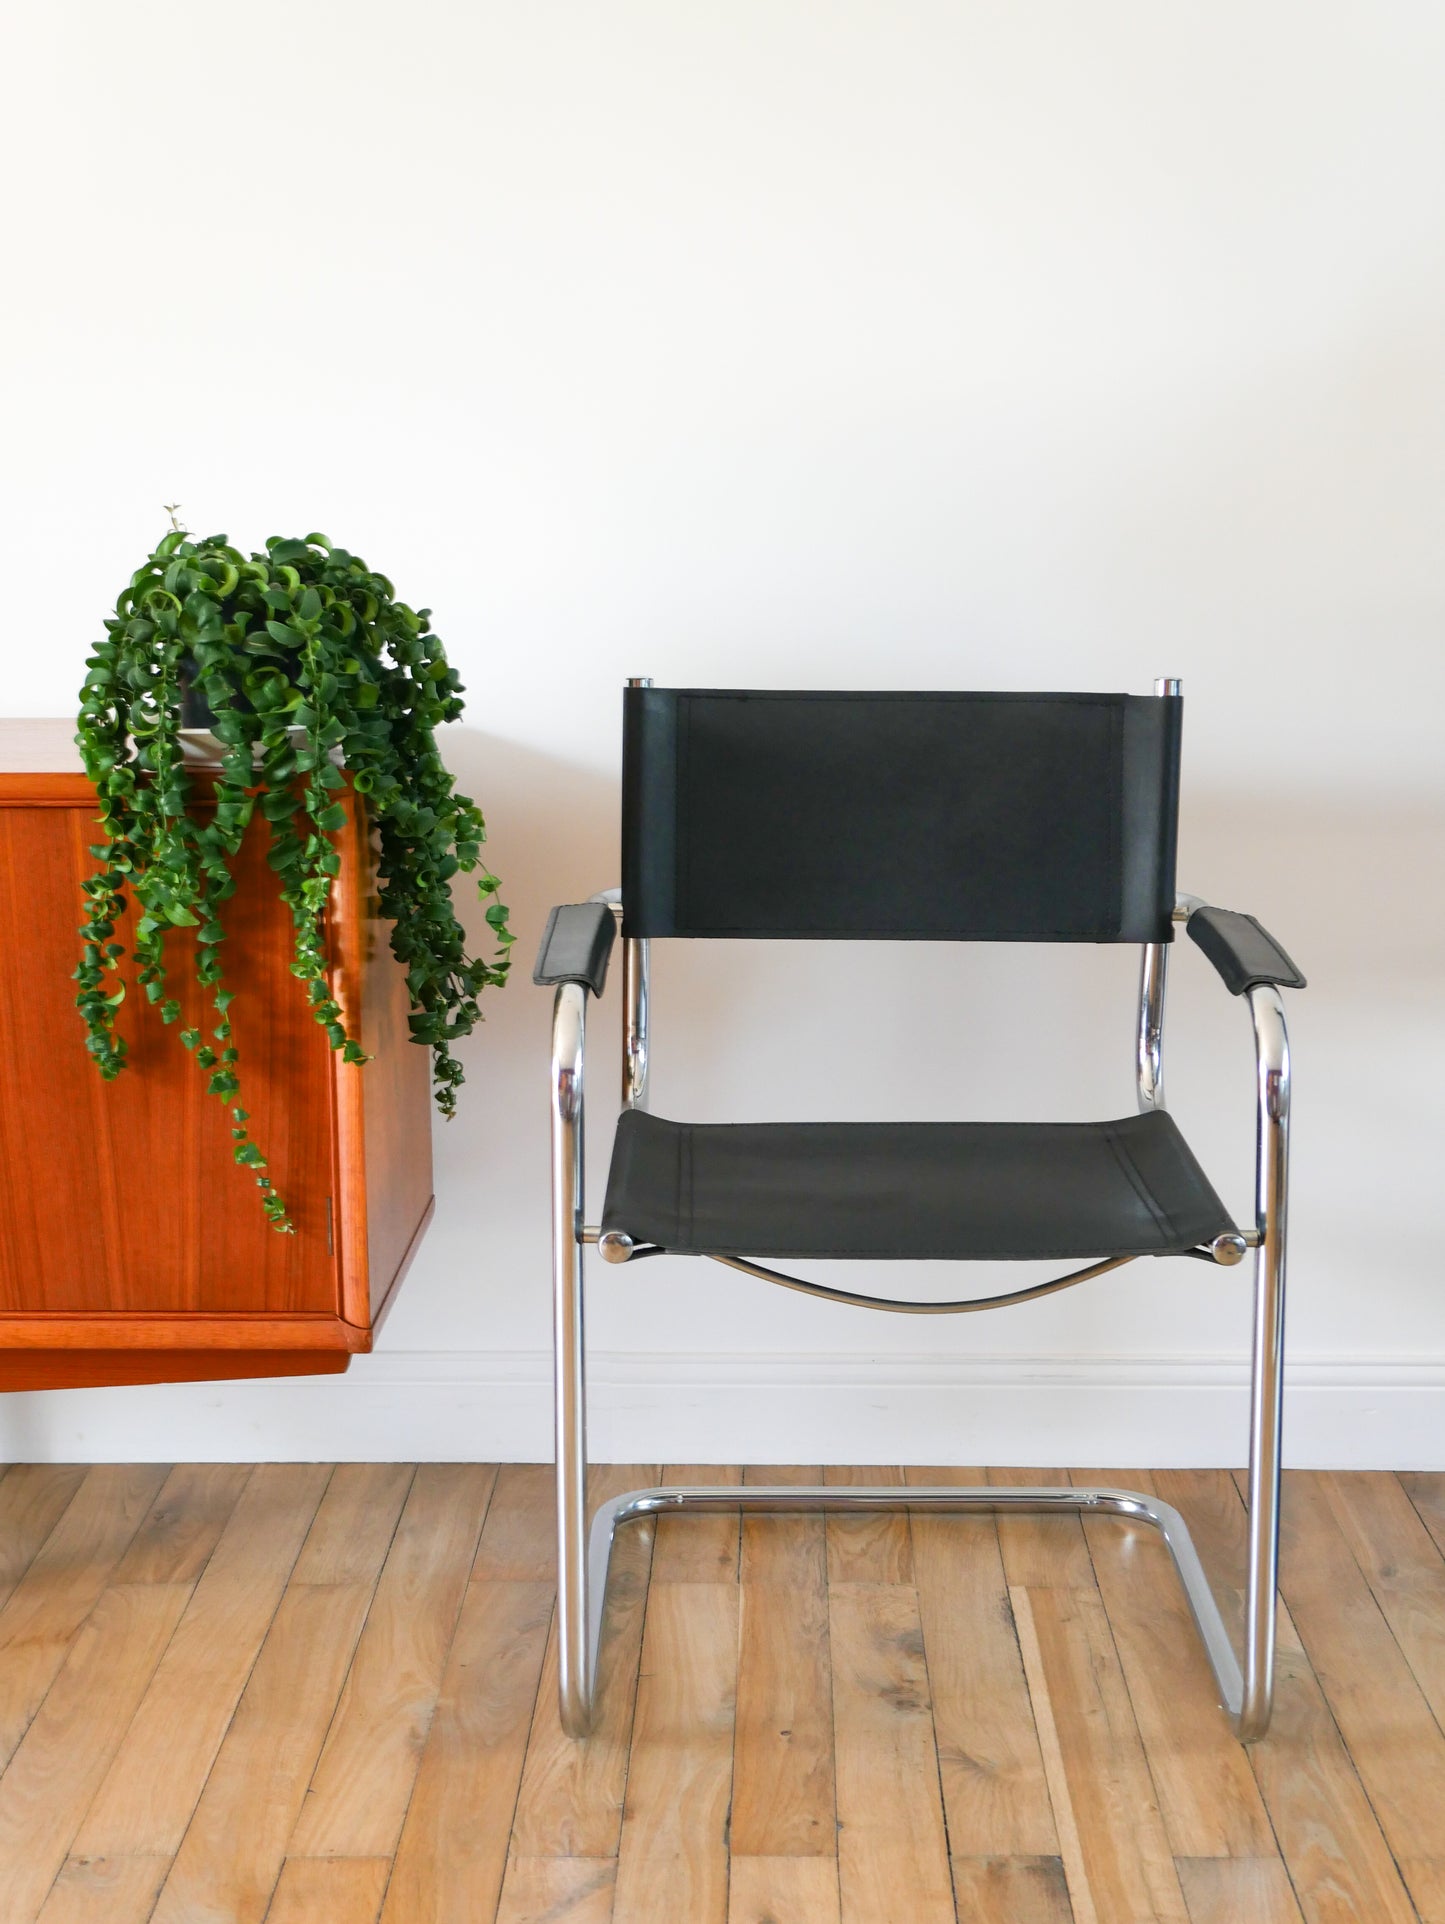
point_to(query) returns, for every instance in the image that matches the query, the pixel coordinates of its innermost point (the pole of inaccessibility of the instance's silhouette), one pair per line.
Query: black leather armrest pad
(576, 943)
(1244, 953)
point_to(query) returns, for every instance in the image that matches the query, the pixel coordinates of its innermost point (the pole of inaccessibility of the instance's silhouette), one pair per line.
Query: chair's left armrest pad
(1244, 952)
(576, 943)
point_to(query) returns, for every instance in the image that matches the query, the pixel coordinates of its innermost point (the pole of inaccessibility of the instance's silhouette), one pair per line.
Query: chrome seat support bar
(911, 1306)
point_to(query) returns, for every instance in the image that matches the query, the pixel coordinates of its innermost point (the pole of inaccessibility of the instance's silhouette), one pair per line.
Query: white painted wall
(899, 345)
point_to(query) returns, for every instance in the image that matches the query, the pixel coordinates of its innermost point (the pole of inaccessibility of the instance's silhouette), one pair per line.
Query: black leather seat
(963, 1190)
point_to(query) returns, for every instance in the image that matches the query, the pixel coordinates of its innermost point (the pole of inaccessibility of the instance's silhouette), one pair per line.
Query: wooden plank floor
(299, 1694)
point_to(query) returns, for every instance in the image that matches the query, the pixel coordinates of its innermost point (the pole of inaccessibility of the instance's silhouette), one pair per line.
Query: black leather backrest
(985, 817)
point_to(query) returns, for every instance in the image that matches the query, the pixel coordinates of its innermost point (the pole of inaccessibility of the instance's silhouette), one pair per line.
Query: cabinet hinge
(330, 1244)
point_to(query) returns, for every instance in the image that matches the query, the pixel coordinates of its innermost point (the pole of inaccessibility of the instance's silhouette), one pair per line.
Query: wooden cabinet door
(123, 1197)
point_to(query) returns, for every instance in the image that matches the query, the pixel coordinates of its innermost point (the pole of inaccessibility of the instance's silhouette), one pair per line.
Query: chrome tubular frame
(583, 1559)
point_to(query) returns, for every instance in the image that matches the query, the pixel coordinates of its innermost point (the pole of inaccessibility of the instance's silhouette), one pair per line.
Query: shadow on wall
(480, 1279)
(552, 836)
(1345, 878)
(552, 828)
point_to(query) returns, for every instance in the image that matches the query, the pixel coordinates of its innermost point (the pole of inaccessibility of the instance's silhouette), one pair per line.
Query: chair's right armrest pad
(1242, 950)
(576, 943)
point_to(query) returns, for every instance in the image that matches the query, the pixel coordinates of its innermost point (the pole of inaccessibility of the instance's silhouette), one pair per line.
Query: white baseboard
(1372, 1413)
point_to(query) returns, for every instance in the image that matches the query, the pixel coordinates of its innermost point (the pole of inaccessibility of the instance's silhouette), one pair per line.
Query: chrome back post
(1153, 974)
(1149, 1045)
(636, 995)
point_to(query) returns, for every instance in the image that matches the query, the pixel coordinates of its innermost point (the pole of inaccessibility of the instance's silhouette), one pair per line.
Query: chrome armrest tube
(575, 1655)
(1272, 1075)
(569, 1040)
(1271, 1041)
(1272, 1111)
(569, 1037)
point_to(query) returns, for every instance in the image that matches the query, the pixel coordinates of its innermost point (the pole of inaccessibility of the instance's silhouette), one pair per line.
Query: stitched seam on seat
(1139, 1183)
(1174, 1147)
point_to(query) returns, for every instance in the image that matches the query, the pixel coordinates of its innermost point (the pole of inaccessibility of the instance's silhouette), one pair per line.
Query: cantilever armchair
(938, 817)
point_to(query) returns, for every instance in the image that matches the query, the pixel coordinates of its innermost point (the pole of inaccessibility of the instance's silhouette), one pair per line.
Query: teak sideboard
(132, 1249)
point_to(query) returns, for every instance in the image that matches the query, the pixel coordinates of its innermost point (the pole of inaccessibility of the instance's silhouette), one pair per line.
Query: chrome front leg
(574, 1663)
(1267, 1373)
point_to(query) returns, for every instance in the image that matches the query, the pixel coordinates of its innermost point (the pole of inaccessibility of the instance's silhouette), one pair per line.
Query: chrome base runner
(845, 1498)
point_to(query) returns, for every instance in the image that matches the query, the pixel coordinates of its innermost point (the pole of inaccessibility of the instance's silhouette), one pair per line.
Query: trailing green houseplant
(303, 664)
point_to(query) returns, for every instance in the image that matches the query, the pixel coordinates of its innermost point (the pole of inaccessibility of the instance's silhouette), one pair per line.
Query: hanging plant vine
(303, 664)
